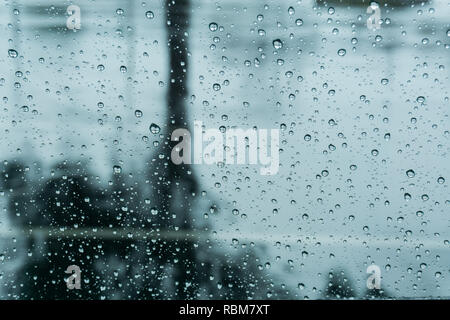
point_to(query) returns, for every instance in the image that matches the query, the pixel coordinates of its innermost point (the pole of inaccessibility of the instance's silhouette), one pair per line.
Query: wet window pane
(195, 149)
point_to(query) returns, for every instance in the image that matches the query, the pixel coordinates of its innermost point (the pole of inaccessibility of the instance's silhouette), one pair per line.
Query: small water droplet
(342, 52)
(410, 173)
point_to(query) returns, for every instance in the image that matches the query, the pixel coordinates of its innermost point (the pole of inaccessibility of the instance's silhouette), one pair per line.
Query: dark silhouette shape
(339, 286)
(69, 199)
(376, 294)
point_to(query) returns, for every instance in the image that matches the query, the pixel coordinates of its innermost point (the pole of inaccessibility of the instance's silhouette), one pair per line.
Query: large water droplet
(12, 53)
(154, 128)
(213, 26)
(410, 173)
(277, 44)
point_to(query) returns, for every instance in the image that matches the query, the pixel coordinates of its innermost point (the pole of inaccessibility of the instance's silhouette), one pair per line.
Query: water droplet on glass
(277, 44)
(342, 52)
(154, 128)
(410, 173)
(213, 26)
(12, 53)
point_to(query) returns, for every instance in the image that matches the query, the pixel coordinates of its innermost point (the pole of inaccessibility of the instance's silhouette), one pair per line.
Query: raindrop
(154, 128)
(213, 26)
(277, 44)
(342, 52)
(420, 99)
(410, 173)
(12, 53)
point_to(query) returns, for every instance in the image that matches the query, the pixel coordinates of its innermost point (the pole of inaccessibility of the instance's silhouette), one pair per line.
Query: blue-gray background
(328, 216)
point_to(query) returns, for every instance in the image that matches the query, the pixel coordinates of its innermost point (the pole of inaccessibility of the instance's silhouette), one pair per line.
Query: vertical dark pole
(174, 185)
(177, 28)
(177, 94)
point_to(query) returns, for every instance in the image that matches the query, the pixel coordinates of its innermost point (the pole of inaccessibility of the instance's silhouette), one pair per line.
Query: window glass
(195, 149)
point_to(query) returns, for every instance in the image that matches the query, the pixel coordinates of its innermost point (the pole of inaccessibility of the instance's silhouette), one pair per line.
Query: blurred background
(86, 176)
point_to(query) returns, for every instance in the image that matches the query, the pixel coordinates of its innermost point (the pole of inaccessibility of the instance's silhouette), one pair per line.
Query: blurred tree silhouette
(68, 198)
(376, 294)
(339, 286)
